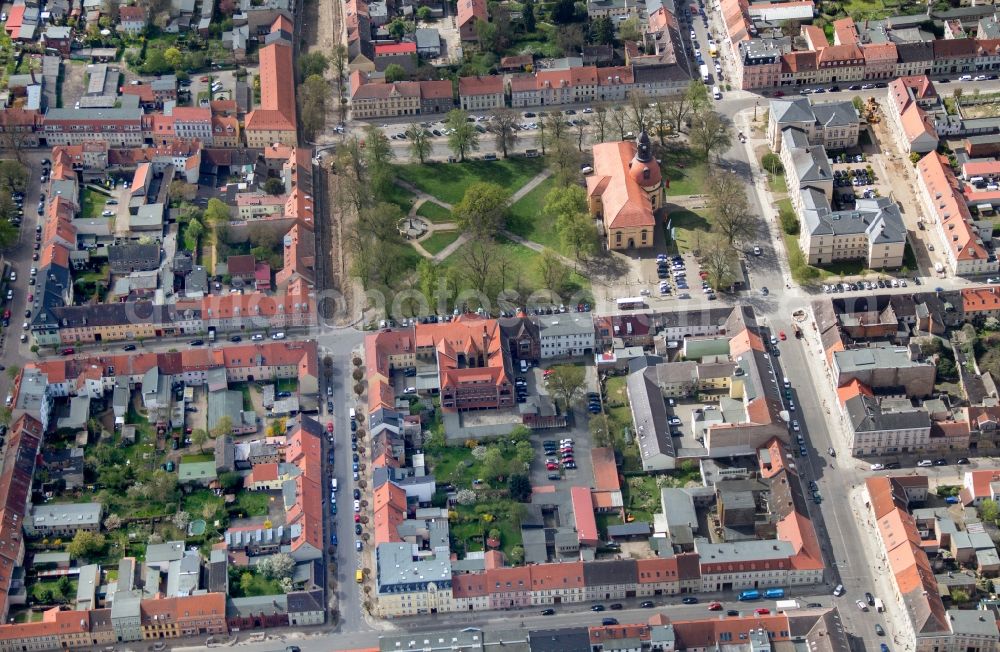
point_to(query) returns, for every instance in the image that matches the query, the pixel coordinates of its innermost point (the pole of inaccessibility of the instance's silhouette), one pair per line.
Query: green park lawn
(524, 260)
(449, 181)
(434, 212)
(439, 240)
(685, 172)
(687, 226)
(526, 218)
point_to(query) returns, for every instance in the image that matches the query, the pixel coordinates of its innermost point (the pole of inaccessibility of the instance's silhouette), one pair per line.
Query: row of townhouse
(217, 125)
(140, 320)
(547, 584)
(967, 244)
(764, 62)
(94, 376)
(149, 619)
(373, 98)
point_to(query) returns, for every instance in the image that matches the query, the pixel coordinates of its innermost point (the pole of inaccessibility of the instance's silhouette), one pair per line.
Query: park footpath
(422, 197)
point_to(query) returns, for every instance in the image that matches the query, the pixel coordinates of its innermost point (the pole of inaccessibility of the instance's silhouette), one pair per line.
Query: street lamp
(755, 103)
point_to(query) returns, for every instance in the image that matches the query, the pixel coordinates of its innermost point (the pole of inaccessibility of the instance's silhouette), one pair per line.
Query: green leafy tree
(772, 163)
(216, 212)
(274, 186)
(199, 437)
(85, 544)
(483, 210)
(314, 96)
(602, 31)
(174, 58)
(630, 29)
(463, 137)
(312, 63)
(516, 556)
(420, 142)
(65, 586)
(989, 510)
(424, 14)
(564, 12)
(528, 16)
(566, 207)
(192, 235)
(246, 582)
(566, 382)
(230, 481)
(223, 426)
(394, 73)
(519, 487)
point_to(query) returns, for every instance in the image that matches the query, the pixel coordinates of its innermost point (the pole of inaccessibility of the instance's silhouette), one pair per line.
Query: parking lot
(853, 178)
(677, 276)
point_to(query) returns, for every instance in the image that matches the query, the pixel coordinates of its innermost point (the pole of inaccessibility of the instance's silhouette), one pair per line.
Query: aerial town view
(500, 325)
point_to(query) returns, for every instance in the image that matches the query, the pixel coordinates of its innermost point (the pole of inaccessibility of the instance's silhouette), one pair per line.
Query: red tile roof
(485, 85)
(583, 513)
(470, 9)
(388, 49)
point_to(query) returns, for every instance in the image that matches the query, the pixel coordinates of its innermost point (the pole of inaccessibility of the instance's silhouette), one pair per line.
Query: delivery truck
(704, 72)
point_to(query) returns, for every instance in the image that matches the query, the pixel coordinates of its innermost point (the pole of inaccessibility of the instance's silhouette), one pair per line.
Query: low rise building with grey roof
(649, 416)
(428, 41)
(874, 428)
(568, 334)
(147, 219)
(834, 125)
(886, 370)
(873, 231)
(228, 403)
(406, 574)
(806, 165)
(63, 519)
(86, 588)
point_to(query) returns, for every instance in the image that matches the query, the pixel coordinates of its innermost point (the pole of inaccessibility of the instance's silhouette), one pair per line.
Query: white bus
(632, 303)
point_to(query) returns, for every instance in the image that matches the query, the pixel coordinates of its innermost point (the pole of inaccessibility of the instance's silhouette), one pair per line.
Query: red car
(6, 313)
(329, 426)
(357, 518)
(781, 335)
(547, 372)
(762, 611)
(204, 79)
(551, 467)
(715, 606)
(68, 351)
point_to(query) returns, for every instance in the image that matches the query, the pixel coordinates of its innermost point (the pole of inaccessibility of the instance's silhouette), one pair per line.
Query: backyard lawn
(614, 390)
(434, 212)
(439, 240)
(449, 181)
(526, 217)
(684, 173)
(251, 503)
(93, 203)
(244, 584)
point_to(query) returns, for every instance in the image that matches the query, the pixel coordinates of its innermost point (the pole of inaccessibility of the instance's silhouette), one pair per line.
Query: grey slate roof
(792, 110)
(836, 114)
(866, 415)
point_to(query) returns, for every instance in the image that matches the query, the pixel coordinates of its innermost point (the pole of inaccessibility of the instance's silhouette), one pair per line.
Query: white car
(795, 426)
(877, 467)
(925, 463)
(357, 505)
(757, 251)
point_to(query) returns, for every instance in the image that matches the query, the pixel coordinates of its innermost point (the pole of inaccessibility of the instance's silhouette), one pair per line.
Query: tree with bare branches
(601, 121)
(502, 123)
